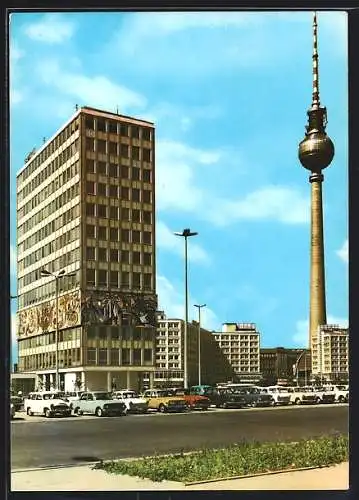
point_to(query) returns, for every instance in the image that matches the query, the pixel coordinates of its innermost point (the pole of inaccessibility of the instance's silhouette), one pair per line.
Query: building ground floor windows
(96, 379)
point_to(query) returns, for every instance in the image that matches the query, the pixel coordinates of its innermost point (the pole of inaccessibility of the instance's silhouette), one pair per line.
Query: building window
(90, 166)
(136, 258)
(136, 280)
(125, 172)
(125, 213)
(146, 175)
(102, 233)
(124, 150)
(135, 174)
(146, 156)
(90, 209)
(126, 356)
(113, 234)
(90, 144)
(147, 281)
(147, 260)
(114, 279)
(124, 129)
(90, 231)
(147, 217)
(125, 279)
(113, 191)
(102, 211)
(115, 360)
(125, 193)
(101, 167)
(112, 148)
(102, 254)
(147, 238)
(102, 277)
(146, 134)
(91, 356)
(101, 189)
(89, 122)
(137, 357)
(113, 170)
(113, 255)
(125, 257)
(136, 237)
(90, 253)
(136, 215)
(102, 356)
(136, 195)
(146, 196)
(125, 235)
(90, 277)
(101, 146)
(114, 213)
(101, 125)
(90, 187)
(112, 127)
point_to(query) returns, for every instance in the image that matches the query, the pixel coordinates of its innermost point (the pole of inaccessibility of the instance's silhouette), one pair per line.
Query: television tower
(316, 152)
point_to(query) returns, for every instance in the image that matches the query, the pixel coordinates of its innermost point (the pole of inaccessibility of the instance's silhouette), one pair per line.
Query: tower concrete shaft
(317, 311)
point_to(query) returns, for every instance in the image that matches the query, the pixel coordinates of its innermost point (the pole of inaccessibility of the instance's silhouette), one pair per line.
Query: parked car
(194, 401)
(228, 398)
(302, 396)
(17, 401)
(12, 410)
(341, 392)
(99, 403)
(324, 396)
(279, 394)
(254, 396)
(133, 401)
(46, 403)
(73, 396)
(163, 401)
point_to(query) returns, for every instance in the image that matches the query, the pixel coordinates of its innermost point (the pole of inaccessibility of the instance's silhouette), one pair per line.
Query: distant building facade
(284, 365)
(169, 355)
(330, 353)
(240, 343)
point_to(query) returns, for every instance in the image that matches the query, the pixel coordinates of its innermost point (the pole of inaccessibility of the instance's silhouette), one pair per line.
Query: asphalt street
(76, 440)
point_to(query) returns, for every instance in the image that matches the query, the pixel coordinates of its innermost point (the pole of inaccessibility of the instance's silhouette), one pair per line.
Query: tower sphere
(316, 151)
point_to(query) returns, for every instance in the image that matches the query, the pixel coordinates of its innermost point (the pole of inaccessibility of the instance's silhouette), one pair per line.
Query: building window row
(118, 171)
(115, 279)
(45, 173)
(118, 357)
(47, 249)
(51, 148)
(117, 149)
(114, 333)
(114, 234)
(118, 128)
(47, 360)
(54, 205)
(118, 213)
(122, 192)
(50, 338)
(115, 255)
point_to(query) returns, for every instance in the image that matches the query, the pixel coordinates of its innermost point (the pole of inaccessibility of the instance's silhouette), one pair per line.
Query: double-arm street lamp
(57, 276)
(186, 233)
(199, 307)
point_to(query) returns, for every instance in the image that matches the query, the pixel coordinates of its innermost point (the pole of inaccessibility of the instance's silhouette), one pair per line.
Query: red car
(194, 401)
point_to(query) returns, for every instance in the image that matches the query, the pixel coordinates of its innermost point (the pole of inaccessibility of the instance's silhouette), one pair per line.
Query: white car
(280, 394)
(46, 403)
(72, 397)
(341, 392)
(302, 396)
(133, 401)
(99, 403)
(324, 396)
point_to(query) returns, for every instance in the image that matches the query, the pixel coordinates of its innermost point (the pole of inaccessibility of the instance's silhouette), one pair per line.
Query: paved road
(70, 441)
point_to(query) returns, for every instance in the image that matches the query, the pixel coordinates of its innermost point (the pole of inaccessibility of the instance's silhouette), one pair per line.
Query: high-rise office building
(86, 254)
(240, 343)
(330, 354)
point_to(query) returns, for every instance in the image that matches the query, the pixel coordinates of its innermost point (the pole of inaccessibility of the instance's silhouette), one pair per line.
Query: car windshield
(102, 395)
(128, 395)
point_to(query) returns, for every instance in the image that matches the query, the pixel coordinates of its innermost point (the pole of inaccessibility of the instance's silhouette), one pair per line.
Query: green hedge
(236, 460)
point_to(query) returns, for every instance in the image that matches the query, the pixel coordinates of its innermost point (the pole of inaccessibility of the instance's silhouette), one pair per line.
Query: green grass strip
(239, 459)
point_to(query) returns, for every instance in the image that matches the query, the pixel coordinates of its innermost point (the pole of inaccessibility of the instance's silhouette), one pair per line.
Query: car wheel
(78, 412)
(341, 399)
(224, 406)
(254, 404)
(99, 412)
(272, 403)
(297, 401)
(29, 412)
(47, 413)
(318, 400)
(162, 408)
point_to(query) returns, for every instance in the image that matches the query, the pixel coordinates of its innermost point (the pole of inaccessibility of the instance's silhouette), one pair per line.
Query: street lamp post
(199, 307)
(56, 276)
(186, 233)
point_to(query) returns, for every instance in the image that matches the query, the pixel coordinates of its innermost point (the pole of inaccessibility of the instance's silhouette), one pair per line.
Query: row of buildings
(86, 265)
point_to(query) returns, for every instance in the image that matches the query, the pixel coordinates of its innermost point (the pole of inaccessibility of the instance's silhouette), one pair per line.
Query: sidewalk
(83, 478)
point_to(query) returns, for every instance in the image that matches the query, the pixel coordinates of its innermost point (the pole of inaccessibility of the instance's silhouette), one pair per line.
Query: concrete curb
(52, 467)
(259, 474)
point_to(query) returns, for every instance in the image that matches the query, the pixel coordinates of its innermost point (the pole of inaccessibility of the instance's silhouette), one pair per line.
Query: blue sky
(228, 93)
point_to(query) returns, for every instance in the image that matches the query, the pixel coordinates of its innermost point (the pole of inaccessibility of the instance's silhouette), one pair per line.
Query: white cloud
(171, 301)
(97, 91)
(167, 240)
(280, 203)
(16, 96)
(343, 252)
(301, 336)
(52, 29)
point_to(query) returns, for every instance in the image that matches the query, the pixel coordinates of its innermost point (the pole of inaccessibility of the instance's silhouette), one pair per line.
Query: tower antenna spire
(315, 99)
